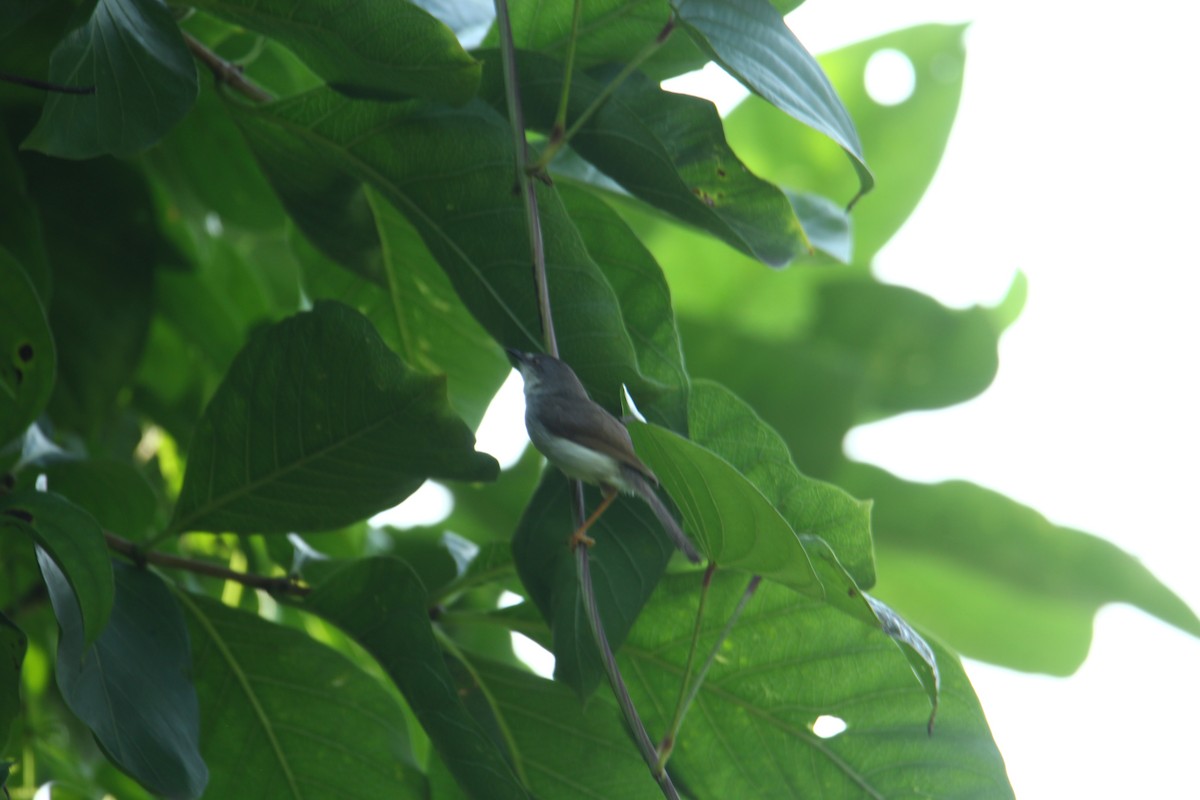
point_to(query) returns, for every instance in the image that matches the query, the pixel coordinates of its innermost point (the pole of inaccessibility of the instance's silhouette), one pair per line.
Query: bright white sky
(1069, 161)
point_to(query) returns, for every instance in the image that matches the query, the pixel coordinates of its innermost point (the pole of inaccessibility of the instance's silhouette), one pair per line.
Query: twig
(45, 86)
(280, 585)
(525, 178)
(694, 688)
(226, 72)
(645, 745)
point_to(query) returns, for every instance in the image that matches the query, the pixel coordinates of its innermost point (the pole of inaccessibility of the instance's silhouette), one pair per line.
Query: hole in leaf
(827, 726)
(889, 77)
(25, 352)
(538, 658)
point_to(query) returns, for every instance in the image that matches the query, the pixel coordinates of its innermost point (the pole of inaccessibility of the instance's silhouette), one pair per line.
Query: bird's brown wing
(586, 423)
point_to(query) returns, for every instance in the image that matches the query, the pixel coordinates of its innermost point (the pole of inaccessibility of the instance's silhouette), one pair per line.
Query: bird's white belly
(579, 462)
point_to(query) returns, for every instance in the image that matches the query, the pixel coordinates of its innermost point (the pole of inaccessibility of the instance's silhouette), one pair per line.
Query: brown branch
(45, 86)
(226, 72)
(277, 585)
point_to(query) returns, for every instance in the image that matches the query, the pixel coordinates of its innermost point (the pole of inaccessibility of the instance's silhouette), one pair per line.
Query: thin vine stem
(668, 742)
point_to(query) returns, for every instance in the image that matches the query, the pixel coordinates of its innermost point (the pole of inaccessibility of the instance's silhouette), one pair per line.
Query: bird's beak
(516, 357)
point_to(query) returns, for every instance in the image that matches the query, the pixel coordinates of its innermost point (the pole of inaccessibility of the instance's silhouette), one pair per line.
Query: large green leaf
(12, 654)
(415, 310)
(103, 247)
(384, 50)
(26, 350)
(666, 149)
(131, 685)
(750, 40)
(994, 578)
(75, 544)
(132, 53)
(318, 425)
(568, 751)
(20, 223)
(904, 142)
(788, 661)
(284, 716)
(382, 605)
(114, 492)
(452, 173)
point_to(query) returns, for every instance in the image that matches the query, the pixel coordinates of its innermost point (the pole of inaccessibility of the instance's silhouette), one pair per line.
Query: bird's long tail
(647, 493)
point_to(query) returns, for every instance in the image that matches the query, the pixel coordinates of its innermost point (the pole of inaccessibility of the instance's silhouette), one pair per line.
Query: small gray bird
(586, 442)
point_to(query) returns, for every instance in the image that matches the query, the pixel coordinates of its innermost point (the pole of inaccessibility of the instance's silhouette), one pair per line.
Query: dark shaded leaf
(415, 310)
(103, 246)
(666, 149)
(131, 51)
(384, 50)
(113, 492)
(629, 557)
(27, 357)
(12, 654)
(284, 716)
(382, 605)
(788, 661)
(452, 174)
(750, 40)
(994, 578)
(318, 425)
(130, 686)
(75, 543)
(20, 223)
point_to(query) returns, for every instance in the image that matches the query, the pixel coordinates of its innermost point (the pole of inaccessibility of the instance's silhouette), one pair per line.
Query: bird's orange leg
(580, 535)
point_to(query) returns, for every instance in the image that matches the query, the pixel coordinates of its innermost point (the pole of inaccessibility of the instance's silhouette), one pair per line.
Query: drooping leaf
(12, 654)
(415, 310)
(130, 686)
(27, 357)
(788, 661)
(132, 53)
(664, 148)
(994, 578)
(629, 557)
(284, 716)
(104, 246)
(76, 546)
(317, 425)
(415, 155)
(113, 492)
(904, 141)
(383, 50)
(750, 40)
(382, 605)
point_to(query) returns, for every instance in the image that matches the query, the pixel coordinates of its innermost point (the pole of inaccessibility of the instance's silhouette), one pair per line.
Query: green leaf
(131, 686)
(567, 750)
(20, 224)
(904, 141)
(285, 716)
(75, 543)
(103, 246)
(382, 605)
(788, 661)
(722, 423)
(415, 310)
(750, 40)
(666, 149)
(12, 654)
(26, 350)
(995, 579)
(629, 557)
(382, 50)
(132, 53)
(451, 173)
(318, 425)
(113, 492)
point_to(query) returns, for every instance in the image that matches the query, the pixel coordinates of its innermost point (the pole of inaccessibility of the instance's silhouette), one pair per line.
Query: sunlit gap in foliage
(428, 505)
(889, 77)
(502, 433)
(534, 656)
(712, 83)
(827, 726)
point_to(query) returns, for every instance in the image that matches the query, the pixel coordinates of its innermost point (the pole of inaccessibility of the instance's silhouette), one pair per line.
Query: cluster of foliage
(239, 316)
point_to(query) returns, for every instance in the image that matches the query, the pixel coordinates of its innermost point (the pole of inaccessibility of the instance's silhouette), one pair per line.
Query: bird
(586, 442)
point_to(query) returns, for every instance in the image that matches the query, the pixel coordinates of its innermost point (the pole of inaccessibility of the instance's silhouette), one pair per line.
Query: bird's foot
(580, 537)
